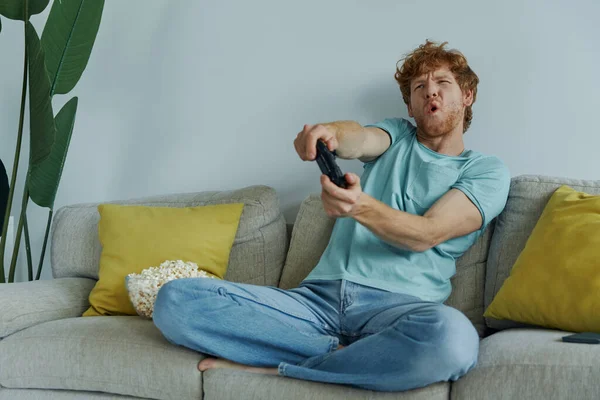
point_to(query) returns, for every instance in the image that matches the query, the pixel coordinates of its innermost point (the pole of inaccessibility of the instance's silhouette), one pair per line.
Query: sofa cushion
(226, 384)
(258, 251)
(556, 280)
(45, 394)
(25, 304)
(531, 364)
(527, 199)
(122, 355)
(135, 238)
(469, 281)
(310, 237)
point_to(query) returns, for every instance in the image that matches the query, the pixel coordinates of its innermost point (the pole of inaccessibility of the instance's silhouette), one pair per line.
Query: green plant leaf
(41, 123)
(68, 39)
(15, 9)
(4, 188)
(44, 178)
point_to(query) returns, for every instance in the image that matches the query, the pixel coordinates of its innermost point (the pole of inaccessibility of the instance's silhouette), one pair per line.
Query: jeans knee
(170, 306)
(174, 302)
(451, 339)
(458, 343)
(164, 307)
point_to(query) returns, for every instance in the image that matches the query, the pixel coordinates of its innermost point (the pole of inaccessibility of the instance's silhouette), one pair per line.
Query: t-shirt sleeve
(397, 128)
(486, 183)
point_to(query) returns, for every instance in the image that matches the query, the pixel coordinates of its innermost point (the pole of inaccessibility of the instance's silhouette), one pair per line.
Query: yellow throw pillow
(555, 282)
(134, 238)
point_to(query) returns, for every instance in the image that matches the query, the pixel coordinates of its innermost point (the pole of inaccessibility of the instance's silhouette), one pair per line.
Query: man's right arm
(377, 143)
(356, 141)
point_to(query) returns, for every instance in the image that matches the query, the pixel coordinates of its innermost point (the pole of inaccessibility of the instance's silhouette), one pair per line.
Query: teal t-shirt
(410, 177)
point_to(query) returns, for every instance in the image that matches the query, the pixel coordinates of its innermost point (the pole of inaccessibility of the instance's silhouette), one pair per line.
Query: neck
(450, 144)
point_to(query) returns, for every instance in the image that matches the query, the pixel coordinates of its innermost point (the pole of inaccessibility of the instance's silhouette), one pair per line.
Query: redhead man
(371, 313)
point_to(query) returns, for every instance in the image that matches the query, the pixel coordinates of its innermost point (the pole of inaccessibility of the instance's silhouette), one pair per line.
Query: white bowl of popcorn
(144, 287)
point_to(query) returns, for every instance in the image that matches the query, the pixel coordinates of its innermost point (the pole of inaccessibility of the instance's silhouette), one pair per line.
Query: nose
(431, 90)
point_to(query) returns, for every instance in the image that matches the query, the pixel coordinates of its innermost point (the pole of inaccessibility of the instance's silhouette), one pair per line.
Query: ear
(468, 98)
(410, 113)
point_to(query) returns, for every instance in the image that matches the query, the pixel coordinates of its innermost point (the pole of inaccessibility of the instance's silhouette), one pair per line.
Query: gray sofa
(48, 351)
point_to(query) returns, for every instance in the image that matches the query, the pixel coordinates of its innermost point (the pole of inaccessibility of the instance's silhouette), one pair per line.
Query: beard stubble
(436, 126)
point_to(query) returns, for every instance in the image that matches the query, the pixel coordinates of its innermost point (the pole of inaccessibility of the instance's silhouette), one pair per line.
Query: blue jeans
(394, 342)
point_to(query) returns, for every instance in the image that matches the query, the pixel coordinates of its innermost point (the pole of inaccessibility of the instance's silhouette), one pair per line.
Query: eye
(418, 86)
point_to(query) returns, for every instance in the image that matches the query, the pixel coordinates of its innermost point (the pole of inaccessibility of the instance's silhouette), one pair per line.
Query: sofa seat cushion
(45, 394)
(228, 384)
(532, 364)
(124, 355)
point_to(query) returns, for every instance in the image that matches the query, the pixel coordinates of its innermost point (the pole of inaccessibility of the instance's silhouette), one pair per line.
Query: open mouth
(433, 109)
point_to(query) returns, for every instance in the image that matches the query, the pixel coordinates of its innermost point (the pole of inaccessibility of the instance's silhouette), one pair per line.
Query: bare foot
(209, 363)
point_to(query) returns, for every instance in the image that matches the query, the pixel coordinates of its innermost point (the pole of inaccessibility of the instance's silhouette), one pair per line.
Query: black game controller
(326, 161)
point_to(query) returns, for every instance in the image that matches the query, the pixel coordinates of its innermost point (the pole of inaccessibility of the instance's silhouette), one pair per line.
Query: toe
(206, 364)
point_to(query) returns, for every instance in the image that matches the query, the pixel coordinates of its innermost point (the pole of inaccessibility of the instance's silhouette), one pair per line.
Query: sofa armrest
(25, 304)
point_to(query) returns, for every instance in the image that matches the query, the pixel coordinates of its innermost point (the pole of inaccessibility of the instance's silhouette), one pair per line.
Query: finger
(329, 203)
(302, 148)
(352, 179)
(319, 132)
(327, 185)
(332, 206)
(299, 148)
(310, 142)
(333, 190)
(327, 206)
(332, 143)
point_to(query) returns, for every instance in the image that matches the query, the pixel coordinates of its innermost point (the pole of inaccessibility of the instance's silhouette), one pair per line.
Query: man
(371, 313)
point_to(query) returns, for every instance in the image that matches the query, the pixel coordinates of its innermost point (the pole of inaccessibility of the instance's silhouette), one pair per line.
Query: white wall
(193, 95)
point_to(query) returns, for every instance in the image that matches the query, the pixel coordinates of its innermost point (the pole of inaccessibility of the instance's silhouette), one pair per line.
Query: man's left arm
(465, 208)
(453, 215)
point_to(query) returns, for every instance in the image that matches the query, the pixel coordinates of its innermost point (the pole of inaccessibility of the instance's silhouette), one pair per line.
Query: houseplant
(3, 191)
(52, 65)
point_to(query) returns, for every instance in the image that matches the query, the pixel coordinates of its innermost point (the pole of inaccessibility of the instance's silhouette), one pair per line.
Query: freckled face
(437, 103)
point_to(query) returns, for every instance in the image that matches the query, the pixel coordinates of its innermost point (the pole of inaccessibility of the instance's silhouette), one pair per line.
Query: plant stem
(28, 248)
(15, 255)
(13, 178)
(39, 271)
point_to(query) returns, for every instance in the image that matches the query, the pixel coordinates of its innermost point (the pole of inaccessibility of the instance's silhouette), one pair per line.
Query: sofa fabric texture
(48, 352)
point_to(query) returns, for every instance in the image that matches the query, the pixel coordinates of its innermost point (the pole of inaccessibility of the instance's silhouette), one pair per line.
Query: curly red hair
(427, 58)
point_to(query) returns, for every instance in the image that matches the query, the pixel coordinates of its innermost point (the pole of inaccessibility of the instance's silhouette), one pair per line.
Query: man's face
(437, 103)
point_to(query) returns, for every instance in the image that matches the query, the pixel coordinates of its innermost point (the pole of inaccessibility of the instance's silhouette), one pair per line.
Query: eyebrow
(443, 76)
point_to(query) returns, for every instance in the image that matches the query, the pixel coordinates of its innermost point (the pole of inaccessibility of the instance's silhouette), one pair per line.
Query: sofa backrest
(310, 236)
(256, 257)
(527, 199)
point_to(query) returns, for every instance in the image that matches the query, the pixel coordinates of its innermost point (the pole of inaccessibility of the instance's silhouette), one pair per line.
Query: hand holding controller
(326, 161)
